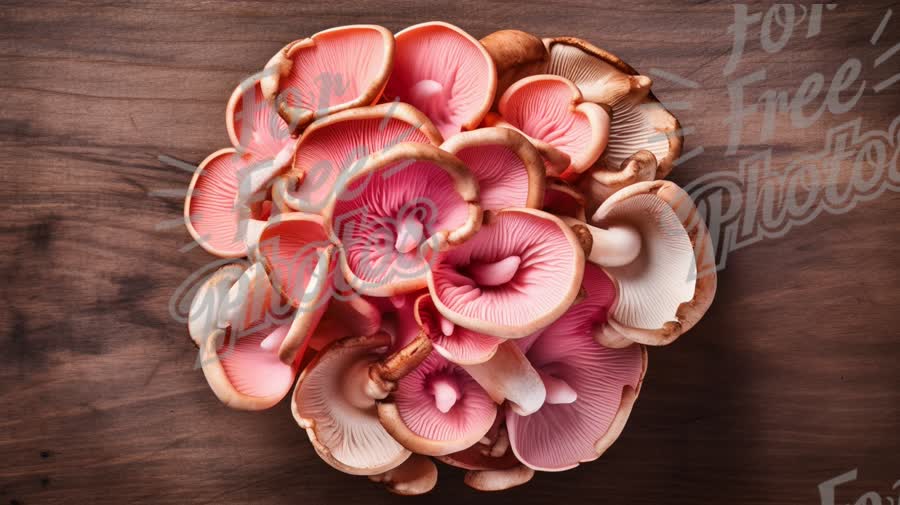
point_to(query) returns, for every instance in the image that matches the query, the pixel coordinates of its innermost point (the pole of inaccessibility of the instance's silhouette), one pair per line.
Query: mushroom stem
(496, 273)
(430, 97)
(398, 301)
(559, 392)
(271, 342)
(445, 391)
(447, 325)
(356, 386)
(615, 246)
(384, 375)
(409, 234)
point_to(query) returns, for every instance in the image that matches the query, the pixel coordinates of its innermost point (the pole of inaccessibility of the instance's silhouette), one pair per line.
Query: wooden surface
(791, 379)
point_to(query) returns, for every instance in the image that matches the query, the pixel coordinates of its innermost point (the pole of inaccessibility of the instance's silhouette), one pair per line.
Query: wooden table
(791, 379)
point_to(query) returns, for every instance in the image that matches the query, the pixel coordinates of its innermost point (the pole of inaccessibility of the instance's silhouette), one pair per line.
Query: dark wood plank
(790, 380)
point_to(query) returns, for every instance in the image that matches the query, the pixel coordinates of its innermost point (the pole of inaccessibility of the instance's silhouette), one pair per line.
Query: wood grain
(791, 379)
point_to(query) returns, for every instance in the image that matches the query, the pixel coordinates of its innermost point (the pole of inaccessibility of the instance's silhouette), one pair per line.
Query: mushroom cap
(437, 409)
(590, 388)
(297, 255)
(204, 312)
(455, 343)
(253, 123)
(561, 199)
(550, 110)
(498, 480)
(509, 169)
(639, 121)
(405, 203)
(217, 209)
(671, 284)
(242, 372)
(603, 181)
(334, 70)
(444, 72)
(516, 54)
(515, 276)
(341, 422)
(334, 148)
(417, 475)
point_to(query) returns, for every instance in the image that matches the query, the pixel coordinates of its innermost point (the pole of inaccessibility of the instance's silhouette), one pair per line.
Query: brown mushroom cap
(602, 181)
(516, 54)
(417, 475)
(669, 287)
(639, 121)
(498, 480)
(332, 402)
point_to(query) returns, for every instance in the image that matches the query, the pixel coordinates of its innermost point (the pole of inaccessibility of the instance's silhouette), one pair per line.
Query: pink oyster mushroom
(590, 388)
(518, 274)
(226, 205)
(295, 250)
(569, 132)
(427, 267)
(404, 205)
(233, 314)
(333, 149)
(334, 70)
(444, 72)
(437, 409)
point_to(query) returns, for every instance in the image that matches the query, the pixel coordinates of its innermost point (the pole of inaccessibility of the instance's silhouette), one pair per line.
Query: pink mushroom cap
(444, 72)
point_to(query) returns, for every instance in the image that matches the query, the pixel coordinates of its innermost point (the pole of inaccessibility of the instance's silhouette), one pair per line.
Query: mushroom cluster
(419, 263)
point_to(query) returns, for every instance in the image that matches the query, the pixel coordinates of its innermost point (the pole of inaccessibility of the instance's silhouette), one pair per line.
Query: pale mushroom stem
(271, 342)
(356, 386)
(409, 234)
(446, 393)
(496, 273)
(558, 390)
(615, 246)
(447, 326)
(430, 96)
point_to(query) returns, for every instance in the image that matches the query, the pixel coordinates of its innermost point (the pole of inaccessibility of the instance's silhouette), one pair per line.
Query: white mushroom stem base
(496, 273)
(559, 391)
(431, 98)
(358, 388)
(410, 233)
(446, 392)
(615, 246)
